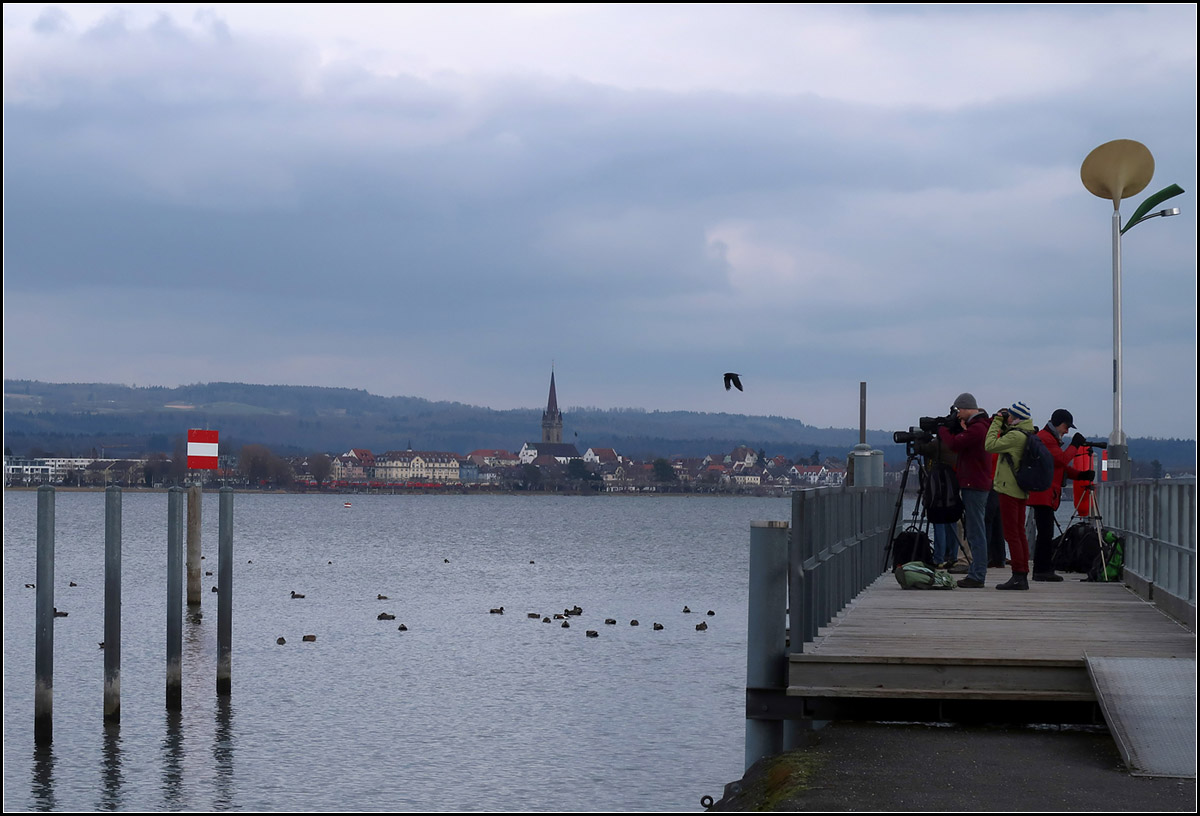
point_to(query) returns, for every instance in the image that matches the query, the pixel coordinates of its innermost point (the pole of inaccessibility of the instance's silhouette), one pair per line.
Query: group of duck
(566, 614)
(576, 611)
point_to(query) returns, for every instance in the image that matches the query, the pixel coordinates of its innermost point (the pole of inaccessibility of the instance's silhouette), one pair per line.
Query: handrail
(1157, 519)
(835, 550)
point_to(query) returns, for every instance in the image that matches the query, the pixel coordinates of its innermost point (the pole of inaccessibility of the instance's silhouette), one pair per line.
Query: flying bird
(734, 380)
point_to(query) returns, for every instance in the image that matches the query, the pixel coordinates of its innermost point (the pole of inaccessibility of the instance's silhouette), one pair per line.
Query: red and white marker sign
(202, 450)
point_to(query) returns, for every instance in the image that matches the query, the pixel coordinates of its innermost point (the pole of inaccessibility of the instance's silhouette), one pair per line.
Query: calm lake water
(466, 710)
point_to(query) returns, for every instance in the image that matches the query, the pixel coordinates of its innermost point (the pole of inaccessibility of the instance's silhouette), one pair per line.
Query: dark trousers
(995, 529)
(1043, 549)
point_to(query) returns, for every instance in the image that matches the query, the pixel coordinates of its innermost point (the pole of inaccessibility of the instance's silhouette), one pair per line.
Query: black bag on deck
(1077, 549)
(911, 545)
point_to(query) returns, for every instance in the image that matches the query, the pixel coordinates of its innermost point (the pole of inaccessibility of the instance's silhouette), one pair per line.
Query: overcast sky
(445, 201)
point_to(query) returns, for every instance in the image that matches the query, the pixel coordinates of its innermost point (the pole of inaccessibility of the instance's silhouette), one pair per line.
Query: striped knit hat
(1020, 410)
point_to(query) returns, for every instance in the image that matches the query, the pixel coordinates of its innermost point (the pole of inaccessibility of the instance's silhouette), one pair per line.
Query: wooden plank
(981, 644)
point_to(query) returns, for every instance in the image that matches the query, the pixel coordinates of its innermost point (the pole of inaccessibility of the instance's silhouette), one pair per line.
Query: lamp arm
(1150, 203)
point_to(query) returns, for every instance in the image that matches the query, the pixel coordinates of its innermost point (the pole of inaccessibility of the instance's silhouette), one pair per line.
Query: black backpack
(911, 545)
(1036, 471)
(1077, 549)
(943, 502)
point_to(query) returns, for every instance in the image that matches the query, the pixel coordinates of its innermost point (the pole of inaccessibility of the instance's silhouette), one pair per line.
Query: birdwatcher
(1006, 436)
(1045, 502)
(973, 468)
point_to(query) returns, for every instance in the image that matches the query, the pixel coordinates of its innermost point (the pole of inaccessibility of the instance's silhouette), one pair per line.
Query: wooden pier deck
(977, 653)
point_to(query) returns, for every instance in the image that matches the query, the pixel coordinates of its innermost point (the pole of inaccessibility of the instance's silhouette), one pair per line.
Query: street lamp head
(1143, 212)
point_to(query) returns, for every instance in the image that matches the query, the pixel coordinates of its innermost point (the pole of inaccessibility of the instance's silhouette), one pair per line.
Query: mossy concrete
(914, 767)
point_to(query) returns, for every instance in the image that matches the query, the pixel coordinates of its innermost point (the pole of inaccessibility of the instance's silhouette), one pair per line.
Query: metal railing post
(766, 652)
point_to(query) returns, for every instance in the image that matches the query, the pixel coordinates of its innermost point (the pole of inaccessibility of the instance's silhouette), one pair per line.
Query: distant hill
(74, 418)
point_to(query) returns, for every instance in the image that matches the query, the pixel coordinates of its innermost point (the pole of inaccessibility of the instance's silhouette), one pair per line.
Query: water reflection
(111, 775)
(172, 761)
(223, 754)
(43, 777)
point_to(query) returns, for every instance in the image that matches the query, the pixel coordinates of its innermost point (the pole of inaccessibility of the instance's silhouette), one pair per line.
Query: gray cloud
(320, 216)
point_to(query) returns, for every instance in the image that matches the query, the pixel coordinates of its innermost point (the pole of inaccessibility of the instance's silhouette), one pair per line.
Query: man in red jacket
(1045, 502)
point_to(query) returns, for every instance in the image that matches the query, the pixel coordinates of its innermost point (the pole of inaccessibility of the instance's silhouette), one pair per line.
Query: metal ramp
(1150, 707)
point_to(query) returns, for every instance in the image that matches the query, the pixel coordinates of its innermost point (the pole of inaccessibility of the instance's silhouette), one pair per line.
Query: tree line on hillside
(71, 419)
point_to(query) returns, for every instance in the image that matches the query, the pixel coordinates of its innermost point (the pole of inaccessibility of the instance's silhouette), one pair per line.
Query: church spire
(552, 421)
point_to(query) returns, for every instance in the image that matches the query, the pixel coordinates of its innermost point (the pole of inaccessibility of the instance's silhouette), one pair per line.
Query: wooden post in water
(225, 593)
(112, 604)
(43, 693)
(175, 599)
(195, 496)
(766, 652)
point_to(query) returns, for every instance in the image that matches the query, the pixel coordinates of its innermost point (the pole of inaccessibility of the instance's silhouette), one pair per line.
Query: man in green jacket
(1009, 430)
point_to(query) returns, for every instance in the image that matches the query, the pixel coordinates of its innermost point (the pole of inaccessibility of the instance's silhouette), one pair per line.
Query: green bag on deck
(916, 575)
(1110, 561)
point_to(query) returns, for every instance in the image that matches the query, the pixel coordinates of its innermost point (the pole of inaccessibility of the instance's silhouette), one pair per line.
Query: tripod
(912, 457)
(1093, 516)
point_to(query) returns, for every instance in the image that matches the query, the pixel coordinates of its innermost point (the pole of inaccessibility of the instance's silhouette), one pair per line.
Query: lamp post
(1117, 170)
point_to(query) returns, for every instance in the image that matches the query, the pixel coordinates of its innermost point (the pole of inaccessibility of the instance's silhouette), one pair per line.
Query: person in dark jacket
(974, 471)
(1045, 502)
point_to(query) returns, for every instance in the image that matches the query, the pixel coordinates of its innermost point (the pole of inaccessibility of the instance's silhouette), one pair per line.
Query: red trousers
(1012, 517)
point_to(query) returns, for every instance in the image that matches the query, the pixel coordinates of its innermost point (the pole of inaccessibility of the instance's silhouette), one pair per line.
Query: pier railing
(832, 551)
(1157, 519)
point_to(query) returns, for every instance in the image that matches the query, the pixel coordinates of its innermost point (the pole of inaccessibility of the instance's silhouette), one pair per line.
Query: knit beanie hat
(1020, 410)
(966, 400)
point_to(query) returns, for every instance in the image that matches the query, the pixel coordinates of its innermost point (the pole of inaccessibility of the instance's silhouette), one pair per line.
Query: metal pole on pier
(112, 604)
(175, 599)
(43, 694)
(225, 593)
(766, 649)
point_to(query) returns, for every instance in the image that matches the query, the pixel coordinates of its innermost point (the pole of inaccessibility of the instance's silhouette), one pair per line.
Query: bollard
(112, 604)
(766, 652)
(43, 693)
(225, 593)
(195, 496)
(175, 599)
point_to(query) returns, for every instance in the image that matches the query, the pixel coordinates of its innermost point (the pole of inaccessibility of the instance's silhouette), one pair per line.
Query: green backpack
(916, 575)
(1110, 561)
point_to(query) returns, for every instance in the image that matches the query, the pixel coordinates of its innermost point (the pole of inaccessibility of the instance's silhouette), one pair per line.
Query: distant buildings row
(741, 467)
(360, 469)
(551, 460)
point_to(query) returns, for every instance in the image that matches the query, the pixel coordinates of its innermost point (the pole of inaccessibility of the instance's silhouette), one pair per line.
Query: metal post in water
(43, 693)
(766, 650)
(195, 495)
(175, 599)
(112, 604)
(225, 593)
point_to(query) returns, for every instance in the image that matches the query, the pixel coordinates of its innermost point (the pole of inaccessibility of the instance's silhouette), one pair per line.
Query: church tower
(552, 421)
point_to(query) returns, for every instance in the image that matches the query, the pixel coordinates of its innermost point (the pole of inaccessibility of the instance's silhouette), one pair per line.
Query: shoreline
(449, 491)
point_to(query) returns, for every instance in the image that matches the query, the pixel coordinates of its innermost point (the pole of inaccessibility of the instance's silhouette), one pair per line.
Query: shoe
(1047, 576)
(969, 583)
(1019, 580)
(995, 564)
(958, 569)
